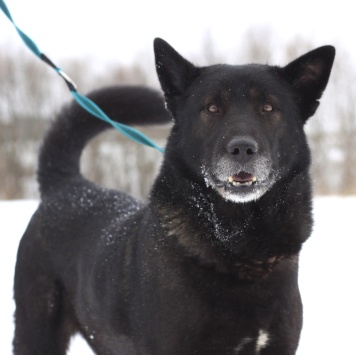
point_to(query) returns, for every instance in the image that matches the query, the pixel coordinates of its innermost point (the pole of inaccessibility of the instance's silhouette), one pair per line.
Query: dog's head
(240, 128)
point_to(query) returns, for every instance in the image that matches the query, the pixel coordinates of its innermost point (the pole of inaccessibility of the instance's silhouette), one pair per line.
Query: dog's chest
(233, 341)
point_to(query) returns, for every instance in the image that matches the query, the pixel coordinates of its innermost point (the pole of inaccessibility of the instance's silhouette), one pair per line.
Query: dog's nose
(244, 148)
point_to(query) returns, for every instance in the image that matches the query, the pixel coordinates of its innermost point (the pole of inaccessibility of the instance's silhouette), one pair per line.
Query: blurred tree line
(31, 94)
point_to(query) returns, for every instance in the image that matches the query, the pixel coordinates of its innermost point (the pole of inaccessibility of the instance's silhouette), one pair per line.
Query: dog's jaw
(244, 194)
(220, 178)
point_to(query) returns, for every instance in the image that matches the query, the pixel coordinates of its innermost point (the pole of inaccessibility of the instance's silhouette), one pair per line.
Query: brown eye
(267, 108)
(213, 108)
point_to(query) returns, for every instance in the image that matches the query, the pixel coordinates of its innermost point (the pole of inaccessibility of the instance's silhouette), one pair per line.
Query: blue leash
(82, 100)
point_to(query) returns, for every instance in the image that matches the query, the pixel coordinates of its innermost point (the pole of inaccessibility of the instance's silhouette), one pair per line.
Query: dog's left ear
(309, 75)
(175, 73)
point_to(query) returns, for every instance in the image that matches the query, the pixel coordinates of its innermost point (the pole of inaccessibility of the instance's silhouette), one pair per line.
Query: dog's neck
(227, 234)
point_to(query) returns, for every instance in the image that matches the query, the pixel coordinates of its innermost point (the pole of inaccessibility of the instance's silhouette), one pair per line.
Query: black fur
(210, 264)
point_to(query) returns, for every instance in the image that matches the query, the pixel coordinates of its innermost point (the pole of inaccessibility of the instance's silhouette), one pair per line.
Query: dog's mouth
(242, 179)
(240, 184)
(243, 187)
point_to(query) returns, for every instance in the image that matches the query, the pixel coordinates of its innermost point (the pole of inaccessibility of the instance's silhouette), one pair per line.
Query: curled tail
(59, 158)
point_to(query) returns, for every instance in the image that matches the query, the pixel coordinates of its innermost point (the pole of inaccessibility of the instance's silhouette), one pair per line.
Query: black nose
(244, 148)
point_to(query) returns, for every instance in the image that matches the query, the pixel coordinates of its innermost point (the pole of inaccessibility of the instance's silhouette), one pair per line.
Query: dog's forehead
(243, 80)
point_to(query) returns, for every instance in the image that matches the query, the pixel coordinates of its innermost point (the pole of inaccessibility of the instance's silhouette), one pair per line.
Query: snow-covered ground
(327, 277)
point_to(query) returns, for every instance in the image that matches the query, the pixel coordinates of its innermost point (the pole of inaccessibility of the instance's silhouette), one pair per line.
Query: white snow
(327, 277)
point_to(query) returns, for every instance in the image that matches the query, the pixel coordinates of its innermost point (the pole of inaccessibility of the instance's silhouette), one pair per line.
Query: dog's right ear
(174, 72)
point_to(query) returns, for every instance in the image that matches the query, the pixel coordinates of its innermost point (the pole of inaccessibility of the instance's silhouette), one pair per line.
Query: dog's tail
(74, 127)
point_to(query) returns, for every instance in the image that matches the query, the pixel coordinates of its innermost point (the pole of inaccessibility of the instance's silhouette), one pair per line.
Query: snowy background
(327, 277)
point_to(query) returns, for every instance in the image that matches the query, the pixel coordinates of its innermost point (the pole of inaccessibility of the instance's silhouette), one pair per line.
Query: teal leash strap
(128, 131)
(28, 41)
(82, 100)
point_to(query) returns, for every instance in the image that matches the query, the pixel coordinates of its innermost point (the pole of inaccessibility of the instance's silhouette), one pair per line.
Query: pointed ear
(174, 72)
(309, 75)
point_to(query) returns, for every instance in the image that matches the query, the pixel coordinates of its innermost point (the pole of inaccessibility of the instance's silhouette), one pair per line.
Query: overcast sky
(120, 30)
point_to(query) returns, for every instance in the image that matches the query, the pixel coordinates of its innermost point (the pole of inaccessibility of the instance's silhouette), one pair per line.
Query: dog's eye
(267, 108)
(213, 108)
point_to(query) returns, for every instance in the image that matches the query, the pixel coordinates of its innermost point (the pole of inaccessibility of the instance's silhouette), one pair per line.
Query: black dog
(210, 264)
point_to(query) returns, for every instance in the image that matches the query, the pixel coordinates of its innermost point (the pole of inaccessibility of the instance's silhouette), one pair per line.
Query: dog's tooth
(254, 179)
(237, 183)
(246, 183)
